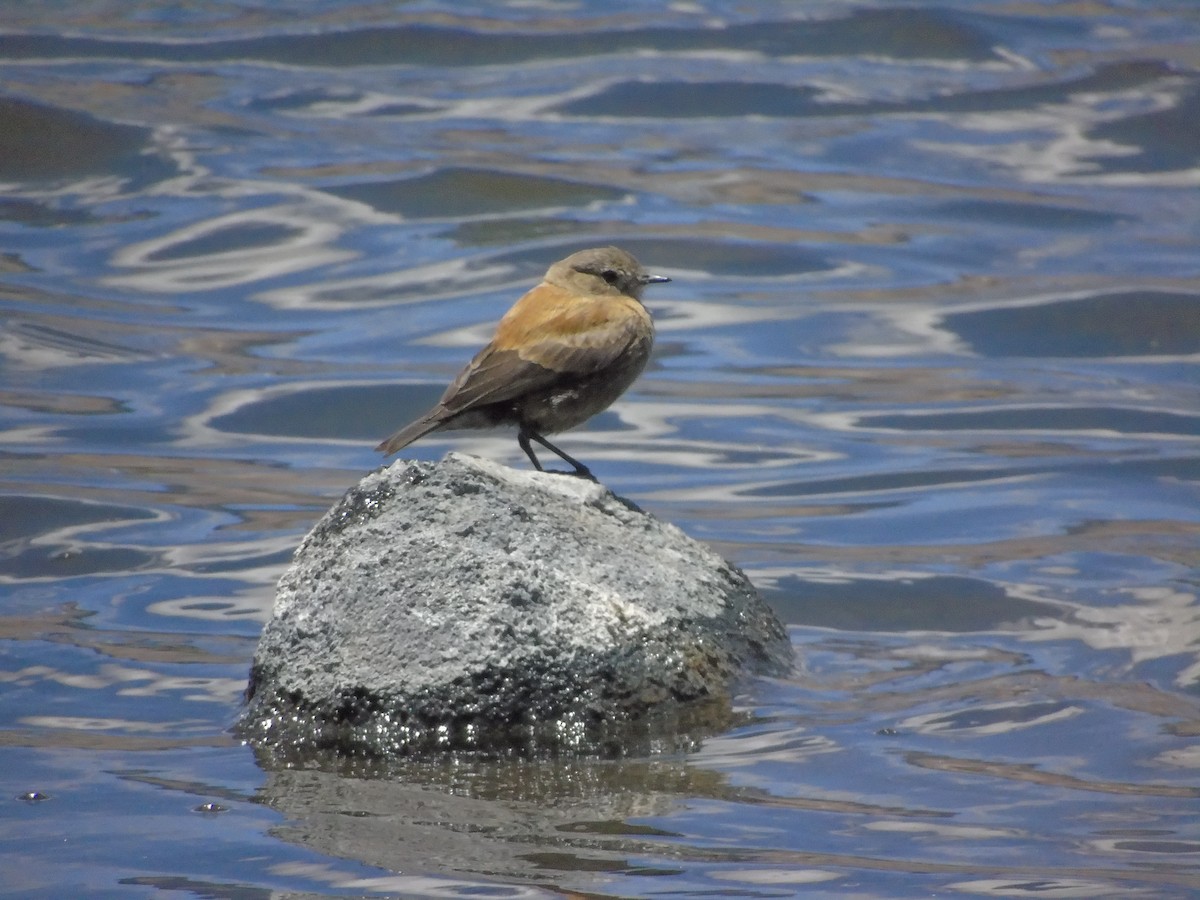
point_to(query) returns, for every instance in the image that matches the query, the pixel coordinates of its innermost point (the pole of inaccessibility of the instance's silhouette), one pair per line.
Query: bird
(564, 352)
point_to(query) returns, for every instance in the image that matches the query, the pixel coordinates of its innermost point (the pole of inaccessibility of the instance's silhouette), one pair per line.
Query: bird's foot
(581, 472)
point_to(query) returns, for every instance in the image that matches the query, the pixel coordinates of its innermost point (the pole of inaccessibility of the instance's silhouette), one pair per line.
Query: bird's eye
(610, 276)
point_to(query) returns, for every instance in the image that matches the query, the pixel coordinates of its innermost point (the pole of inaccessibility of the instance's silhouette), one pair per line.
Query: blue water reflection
(927, 370)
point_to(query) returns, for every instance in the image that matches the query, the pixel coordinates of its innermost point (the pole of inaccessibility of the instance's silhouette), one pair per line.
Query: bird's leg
(523, 440)
(526, 433)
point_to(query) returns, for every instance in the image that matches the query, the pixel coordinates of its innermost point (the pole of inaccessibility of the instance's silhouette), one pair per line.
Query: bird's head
(601, 271)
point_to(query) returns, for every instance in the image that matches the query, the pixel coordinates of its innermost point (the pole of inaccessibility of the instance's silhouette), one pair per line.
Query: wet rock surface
(465, 605)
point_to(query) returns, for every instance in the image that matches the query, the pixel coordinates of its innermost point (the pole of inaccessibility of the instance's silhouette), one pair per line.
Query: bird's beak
(654, 279)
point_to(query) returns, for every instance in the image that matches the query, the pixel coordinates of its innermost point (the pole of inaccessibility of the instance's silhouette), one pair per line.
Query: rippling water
(927, 370)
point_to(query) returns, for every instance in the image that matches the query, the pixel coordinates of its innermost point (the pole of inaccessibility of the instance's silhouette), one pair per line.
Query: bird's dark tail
(431, 421)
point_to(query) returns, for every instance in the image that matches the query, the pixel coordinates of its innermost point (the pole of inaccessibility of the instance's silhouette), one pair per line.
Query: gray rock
(466, 605)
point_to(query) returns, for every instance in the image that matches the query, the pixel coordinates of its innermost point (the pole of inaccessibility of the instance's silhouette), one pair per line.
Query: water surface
(927, 370)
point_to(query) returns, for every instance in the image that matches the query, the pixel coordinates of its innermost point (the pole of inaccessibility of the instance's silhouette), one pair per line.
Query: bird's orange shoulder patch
(549, 313)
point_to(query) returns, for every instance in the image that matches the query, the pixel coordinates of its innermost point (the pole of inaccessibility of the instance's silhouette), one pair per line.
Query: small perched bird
(564, 352)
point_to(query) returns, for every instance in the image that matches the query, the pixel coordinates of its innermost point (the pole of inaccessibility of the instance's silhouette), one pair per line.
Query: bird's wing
(494, 376)
(543, 339)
